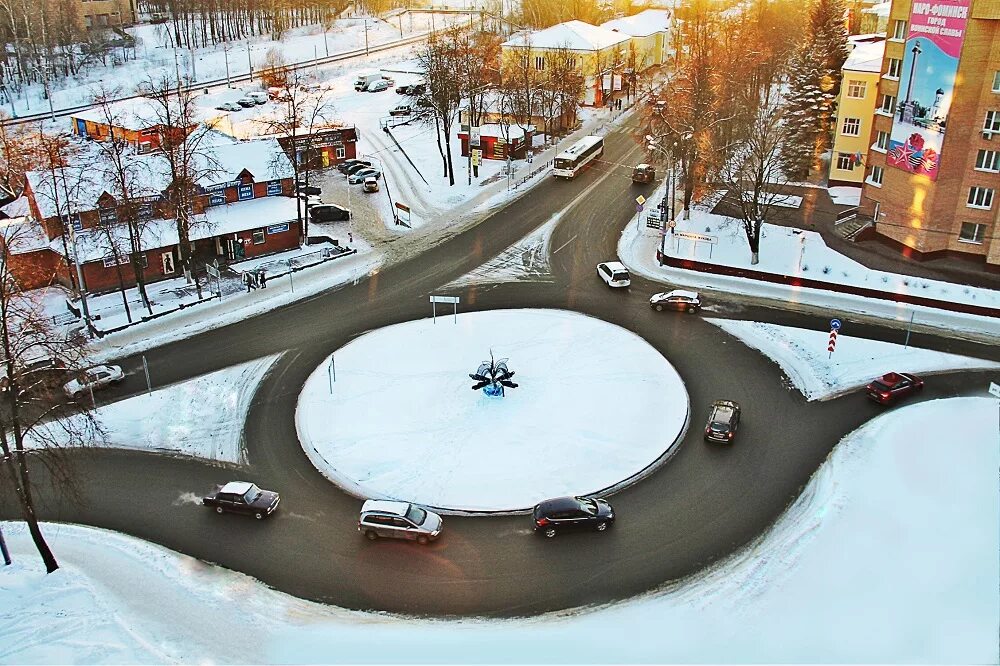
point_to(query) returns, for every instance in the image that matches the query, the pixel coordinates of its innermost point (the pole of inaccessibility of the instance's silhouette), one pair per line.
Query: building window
(895, 67)
(996, 82)
(888, 105)
(571, 62)
(851, 127)
(899, 30)
(881, 141)
(988, 160)
(845, 162)
(992, 123)
(258, 237)
(980, 197)
(540, 63)
(972, 233)
(876, 177)
(856, 89)
(341, 152)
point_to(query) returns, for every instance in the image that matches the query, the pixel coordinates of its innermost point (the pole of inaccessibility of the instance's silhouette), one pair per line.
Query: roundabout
(391, 415)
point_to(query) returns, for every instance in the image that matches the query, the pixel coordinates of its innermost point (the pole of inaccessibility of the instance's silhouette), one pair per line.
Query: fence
(533, 173)
(845, 215)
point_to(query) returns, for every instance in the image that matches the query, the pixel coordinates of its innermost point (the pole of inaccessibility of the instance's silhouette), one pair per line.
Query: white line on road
(564, 244)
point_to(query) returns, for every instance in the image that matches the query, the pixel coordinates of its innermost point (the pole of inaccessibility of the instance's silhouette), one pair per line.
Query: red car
(888, 388)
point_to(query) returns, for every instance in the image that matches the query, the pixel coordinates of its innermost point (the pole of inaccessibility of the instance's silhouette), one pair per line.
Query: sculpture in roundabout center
(492, 377)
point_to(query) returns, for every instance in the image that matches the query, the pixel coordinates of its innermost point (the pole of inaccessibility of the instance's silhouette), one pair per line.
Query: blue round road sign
(835, 324)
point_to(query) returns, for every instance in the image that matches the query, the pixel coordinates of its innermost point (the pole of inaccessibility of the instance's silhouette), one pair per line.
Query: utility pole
(366, 36)
(225, 50)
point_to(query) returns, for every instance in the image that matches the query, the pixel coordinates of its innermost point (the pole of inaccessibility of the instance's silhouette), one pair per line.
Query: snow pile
(394, 417)
(202, 417)
(887, 557)
(803, 356)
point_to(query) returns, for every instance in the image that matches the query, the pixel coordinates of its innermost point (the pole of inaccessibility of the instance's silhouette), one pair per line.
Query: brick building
(136, 121)
(932, 192)
(245, 207)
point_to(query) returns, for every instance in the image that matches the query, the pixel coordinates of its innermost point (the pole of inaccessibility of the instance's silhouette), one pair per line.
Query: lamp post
(667, 213)
(385, 182)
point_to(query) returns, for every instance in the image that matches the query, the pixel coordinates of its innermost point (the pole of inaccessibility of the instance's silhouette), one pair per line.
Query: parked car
(310, 190)
(366, 79)
(418, 89)
(378, 86)
(643, 173)
(614, 274)
(259, 96)
(311, 200)
(357, 166)
(402, 90)
(564, 514)
(329, 213)
(370, 184)
(246, 102)
(243, 497)
(360, 176)
(723, 421)
(229, 106)
(35, 374)
(94, 379)
(678, 299)
(402, 110)
(347, 164)
(890, 387)
(398, 520)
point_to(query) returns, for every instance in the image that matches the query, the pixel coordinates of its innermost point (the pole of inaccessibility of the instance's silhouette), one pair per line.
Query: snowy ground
(889, 556)
(407, 425)
(845, 195)
(781, 251)
(803, 356)
(154, 57)
(202, 417)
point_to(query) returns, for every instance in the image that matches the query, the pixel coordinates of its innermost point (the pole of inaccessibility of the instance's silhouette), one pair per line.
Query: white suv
(614, 274)
(398, 520)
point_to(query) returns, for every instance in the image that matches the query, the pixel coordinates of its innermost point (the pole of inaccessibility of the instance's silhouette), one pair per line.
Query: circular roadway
(704, 503)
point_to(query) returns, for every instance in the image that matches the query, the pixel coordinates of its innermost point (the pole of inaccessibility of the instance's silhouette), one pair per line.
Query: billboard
(926, 84)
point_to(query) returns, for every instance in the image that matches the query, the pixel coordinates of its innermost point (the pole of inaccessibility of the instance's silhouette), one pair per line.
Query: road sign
(640, 199)
(638, 208)
(835, 324)
(700, 238)
(474, 136)
(212, 270)
(833, 341)
(995, 389)
(444, 299)
(476, 154)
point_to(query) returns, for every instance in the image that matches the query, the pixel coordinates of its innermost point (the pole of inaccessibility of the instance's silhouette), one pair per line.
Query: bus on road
(572, 160)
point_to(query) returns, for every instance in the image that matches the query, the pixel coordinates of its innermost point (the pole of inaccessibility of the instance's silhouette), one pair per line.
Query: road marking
(565, 244)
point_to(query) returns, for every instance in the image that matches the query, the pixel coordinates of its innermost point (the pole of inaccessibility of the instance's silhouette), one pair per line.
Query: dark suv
(329, 213)
(723, 421)
(572, 513)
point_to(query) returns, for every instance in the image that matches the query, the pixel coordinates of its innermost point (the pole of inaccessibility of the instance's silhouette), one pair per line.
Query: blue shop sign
(216, 199)
(277, 228)
(274, 188)
(246, 192)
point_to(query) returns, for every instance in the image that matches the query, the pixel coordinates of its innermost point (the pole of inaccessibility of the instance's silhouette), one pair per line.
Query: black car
(329, 213)
(402, 90)
(357, 166)
(572, 513)
(243, 497)
(346, 164)
(309, 190)
(723, 421)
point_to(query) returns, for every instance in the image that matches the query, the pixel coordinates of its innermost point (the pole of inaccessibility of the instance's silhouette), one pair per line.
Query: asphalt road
(701, 504)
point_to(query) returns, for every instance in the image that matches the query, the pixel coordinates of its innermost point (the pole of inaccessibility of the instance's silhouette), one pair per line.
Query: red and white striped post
(833, 342)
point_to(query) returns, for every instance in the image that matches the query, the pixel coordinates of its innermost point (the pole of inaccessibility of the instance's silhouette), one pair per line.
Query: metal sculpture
(493, 377)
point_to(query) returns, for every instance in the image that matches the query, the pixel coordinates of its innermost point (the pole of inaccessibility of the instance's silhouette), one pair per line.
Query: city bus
(572, 160)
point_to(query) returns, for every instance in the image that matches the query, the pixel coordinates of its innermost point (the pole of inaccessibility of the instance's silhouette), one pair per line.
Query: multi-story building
(650, 32)
(856, 109)
(934, 166)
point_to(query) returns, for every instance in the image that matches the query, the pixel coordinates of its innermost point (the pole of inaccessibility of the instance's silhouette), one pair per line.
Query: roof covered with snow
(866, 57)
(22, 235)
(572, 35)
(643, 24)
(879, 9)
(136, 114)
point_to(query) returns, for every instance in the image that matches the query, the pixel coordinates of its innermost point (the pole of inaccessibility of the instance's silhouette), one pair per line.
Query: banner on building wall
(926, 84)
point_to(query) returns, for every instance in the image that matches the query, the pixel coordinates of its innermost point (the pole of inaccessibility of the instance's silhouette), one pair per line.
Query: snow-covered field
(409, 427)
(782, 248)
(889, 556)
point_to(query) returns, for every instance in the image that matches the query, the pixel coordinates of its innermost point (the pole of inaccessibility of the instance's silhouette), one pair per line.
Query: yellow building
(650, 37)
(600, 55)
(856, 111)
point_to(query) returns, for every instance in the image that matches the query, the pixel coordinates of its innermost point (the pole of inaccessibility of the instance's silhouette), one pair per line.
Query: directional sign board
(444, 299)
(835, 324)
(995, 389)
(699, 238)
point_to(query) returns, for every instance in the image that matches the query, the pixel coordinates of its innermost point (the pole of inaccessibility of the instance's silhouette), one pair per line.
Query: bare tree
(755, 176)
(35, 425)
(307, 109)
(189, 158)
(440, 61)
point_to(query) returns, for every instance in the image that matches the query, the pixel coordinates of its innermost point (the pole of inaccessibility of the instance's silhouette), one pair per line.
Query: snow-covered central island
(392, 413)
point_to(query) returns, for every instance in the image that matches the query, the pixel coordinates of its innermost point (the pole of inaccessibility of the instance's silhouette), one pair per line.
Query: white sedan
(229, 106)
(93, 379)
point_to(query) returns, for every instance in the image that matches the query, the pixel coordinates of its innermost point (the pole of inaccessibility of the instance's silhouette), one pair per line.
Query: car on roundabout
(389, 519)
(678, 299)
(243, 497)
(892, 386)
(723, 422)
(614, 274)
(94, 379)
(565, 514)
